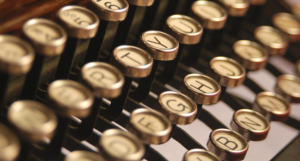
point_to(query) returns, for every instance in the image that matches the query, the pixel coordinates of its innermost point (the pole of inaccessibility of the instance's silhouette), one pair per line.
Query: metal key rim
(192, 151)
(293, 34)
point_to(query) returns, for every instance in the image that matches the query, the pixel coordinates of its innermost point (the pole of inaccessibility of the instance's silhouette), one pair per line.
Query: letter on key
(83, 155)
(119, 145)
(9, 144)
(201, 88)
(288, 86)
(35, 121)
(227, 144)
(272, 106)
(226, 71)
(179, 108)
(250, 124)
(200, 155)
(150, 126)
(251, 55)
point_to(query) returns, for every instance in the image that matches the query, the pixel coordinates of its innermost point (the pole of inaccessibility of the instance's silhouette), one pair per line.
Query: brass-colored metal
(288, 86)
(78, 22)
(16, 55)
(227, 71)
(33, 120)
(272, 106)
(258, 2)
(252, 55)
(70, 98)
(132, 61)
(236, 8)
(177, 107)
(141, 2)
(10, 144)
(118, 145)
(160, 45)
(113, 10)
(184, 28)
(289, 24)
(46, 37)
(200, 154)
(219, 144)
(201, 88)
(150, 126)
(274, 40)
(297, 68)
(104, 79)
(250, 124)
(81, 155)
(211, 15)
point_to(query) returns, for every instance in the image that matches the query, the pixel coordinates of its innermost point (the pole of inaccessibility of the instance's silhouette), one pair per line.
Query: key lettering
(274, 106)
(230, 74)
(119, 146)
(250, 124)
(191, 29)
(201, 85)
(97, 75)
(127, 55)
(41, 32)
(199, 159)
(178, 105)
(146, 124)
(157, 42)
(76, 19)
(229, 144)
(110, 6)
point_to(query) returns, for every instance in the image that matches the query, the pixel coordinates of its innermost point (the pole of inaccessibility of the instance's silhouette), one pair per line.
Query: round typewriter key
(274, 40)
(187, 31)
(200, 155)
(35, 121)
(201, 88)
(81, 155)
(70, 98)
(250, 124)
(178, 108)
(211, 15)
(47, 39)
(162, 47)
(107, 11)
(118, 145)
(289, 24)
(105, 81)
(226, 71)
(236, 8)
(227, 144)
(288, 86)
(80, 23)
(272, 106)
(9, 144)
(251, 55)
(150, 126)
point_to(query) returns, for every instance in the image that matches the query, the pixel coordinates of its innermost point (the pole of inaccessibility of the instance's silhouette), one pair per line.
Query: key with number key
(47, 39)
(80, 23)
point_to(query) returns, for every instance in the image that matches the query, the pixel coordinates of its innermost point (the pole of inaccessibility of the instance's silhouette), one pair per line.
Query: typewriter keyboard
(128, 80)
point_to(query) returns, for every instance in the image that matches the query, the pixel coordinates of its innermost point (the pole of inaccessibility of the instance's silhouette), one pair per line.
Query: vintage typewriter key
(118, 145)
(81, 155)
(250, 124)
(16, 57)
(272, 106)
(226, 71)
(297, 68)
(150, 126)
(250, 54)
(288, 86)
(124, 26)
(177, 107)
(107, 11)
(227, 144)
(162, 47)
(48, 39)
(187, 31)
(274, 40)
(79, 23)
(201, 89)
(289, 24)
(200, 155)
(105, 81)
(133, 62)
(213, 18)
(9, 144)
(68, 98)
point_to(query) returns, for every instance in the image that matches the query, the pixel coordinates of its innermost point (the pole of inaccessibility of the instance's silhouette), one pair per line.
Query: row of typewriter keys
(37, 123)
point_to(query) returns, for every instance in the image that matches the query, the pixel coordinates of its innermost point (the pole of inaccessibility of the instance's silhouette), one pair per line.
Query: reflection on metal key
(43, 33)
(149, 123)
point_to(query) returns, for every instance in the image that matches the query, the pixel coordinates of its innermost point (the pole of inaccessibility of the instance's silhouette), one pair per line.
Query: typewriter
(126, 80)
